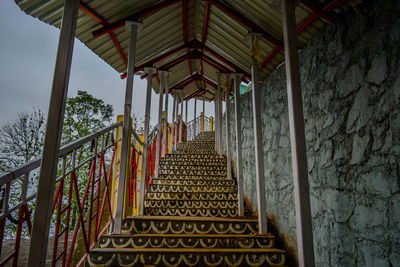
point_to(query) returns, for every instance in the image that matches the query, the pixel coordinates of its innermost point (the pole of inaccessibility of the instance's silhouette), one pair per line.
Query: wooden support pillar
(124, 151)
(258, 145)
(165, 136)
(149, 72)
(48, 169)
(227, 127)
(297, 138)
(173, 122)
(238, 128)
(158, 144)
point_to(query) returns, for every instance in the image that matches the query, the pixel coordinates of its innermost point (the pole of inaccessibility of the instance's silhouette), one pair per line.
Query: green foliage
(84, 114)
(21, 140)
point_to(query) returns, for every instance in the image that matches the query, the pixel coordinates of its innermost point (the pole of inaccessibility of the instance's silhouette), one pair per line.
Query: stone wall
(350, 77)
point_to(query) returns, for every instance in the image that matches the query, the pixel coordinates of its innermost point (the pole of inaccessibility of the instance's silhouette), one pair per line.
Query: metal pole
(181, 128)
(173, 122)
(298, 144)
(216, 99)
(186, 111)
(149, 72)
(204, 107)
(158, 144)
(123, 165)
(176, 120)
(219, 118)
(165, 137)
(194, 117)
(258, 146)
(48, 169)
(227, 127)
(239, 171)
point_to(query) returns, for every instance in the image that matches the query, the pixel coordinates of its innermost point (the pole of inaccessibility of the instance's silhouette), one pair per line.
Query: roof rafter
(88, 11)
(135, 16)
(236, 15)
(328, 8)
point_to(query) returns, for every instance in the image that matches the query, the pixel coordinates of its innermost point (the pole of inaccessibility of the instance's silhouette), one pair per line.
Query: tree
(84, 114)
(21, 140)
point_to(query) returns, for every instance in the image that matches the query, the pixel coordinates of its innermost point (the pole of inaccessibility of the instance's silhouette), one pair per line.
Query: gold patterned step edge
(180, 181)
(183, 196)
(188, 218)
(190, 250)
(192, 235)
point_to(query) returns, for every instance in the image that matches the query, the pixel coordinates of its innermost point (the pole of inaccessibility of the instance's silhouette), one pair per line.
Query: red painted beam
(185, 21)
(236, 15)
(328, 8)
(316, 7)
(184, 81)
(159, 58)
(208, 81)
(136, 16)
(269, 57)
(205, 21)
(88, 11)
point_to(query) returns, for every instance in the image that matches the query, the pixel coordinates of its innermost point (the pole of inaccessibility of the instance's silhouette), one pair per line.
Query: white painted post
(216, 100)
(149, 72)
(181, 119)
(176, 120)
(165, 139)
(48, 169)
(186, 111)
(297, 137)
(158, 144)
(194, 117)
(124, 148)
(173, 122)
(239, 171)
(216, 119)
(258, 146)
(227, 128)
(220, 118)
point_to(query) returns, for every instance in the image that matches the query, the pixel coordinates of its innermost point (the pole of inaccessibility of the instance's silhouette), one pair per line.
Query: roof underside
(192, 39)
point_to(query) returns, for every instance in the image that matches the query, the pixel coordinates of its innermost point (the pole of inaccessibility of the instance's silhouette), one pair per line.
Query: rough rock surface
(350, 78)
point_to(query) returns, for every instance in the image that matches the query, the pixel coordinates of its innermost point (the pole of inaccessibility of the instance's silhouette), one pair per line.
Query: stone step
(188, 225)
(192, 172)
(203, 212)
(209, 182)
(191, 196)
(192, 188)
(192, 177)
(190, 204)
(186, 257)
(189, 164)
(219, 167)
(198, 161)
(192, 156)
(186, 241)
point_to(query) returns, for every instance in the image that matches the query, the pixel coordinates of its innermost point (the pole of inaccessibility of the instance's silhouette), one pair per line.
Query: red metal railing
(79, 203)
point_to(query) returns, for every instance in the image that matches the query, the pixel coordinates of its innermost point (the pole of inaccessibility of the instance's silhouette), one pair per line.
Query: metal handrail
(98, 146)
(35, 163)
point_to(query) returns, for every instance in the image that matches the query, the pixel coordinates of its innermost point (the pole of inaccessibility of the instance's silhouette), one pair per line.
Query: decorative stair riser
(191, 218)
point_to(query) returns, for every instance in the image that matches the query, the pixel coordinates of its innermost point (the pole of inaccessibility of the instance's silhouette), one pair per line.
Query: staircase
(191, 219)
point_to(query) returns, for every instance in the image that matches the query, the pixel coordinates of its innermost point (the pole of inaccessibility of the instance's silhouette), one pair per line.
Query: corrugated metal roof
(217, 44)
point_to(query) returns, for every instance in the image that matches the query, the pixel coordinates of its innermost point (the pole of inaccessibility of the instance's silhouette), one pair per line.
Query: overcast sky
(27, 56)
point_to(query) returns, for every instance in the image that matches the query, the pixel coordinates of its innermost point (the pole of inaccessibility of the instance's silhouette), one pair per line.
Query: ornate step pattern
(191, 219)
